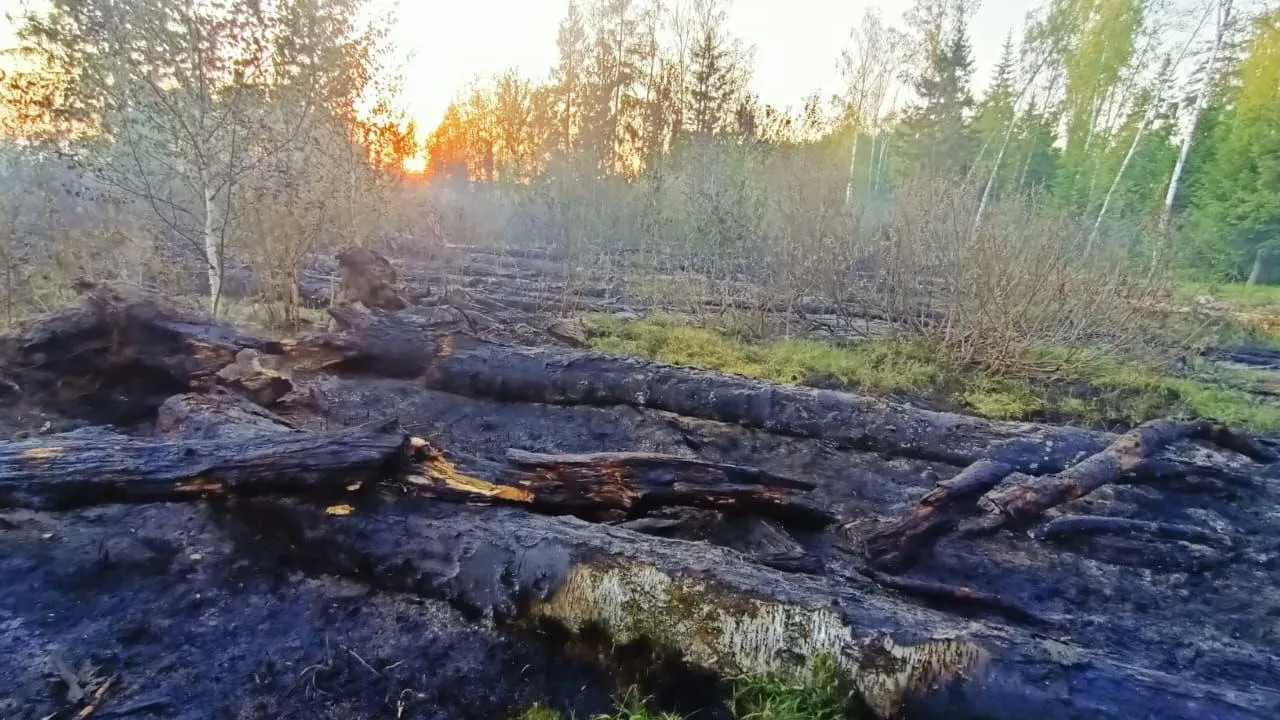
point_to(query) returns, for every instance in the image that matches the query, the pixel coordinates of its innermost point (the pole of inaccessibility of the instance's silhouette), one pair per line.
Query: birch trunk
(1202, 99)
(1259, 261)
(853, 172)
(213, 248)
(1115, 182)
(995, 170)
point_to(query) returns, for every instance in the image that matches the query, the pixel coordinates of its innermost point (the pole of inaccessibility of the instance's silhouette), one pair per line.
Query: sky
(445, 44)
(797, 43)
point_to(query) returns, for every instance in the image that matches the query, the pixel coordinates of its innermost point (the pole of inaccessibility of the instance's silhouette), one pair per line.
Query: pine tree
(709, 87)
(937, 136)
(568, 75)
(1235, 213)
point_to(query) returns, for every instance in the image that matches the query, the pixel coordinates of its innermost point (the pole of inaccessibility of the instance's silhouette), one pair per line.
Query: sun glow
(415, 165)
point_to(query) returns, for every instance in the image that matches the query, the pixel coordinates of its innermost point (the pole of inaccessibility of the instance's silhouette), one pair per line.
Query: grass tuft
(539, 712)
(824, 693)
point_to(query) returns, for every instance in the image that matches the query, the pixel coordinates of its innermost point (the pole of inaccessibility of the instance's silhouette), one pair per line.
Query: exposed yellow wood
(734, 633)
(438, 470)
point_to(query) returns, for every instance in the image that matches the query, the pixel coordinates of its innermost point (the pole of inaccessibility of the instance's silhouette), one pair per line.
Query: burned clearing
(444, 507)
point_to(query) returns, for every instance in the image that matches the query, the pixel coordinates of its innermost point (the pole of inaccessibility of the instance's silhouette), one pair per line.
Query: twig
(1076, 525)
(96, 699)
(956, 594)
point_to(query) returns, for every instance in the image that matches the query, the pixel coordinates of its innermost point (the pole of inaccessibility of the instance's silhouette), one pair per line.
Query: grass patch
(883, 366)
(1074, 386)
(824, 693)
(1237, 295)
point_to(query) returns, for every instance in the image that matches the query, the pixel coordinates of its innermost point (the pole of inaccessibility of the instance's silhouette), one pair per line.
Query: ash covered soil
(184, 610)
(187, 617)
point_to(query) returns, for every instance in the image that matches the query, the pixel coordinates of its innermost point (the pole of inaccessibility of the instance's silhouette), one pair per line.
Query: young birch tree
(868, 66)
(166, 85)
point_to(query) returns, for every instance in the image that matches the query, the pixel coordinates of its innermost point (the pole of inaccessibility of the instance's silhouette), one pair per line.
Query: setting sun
(415, 165)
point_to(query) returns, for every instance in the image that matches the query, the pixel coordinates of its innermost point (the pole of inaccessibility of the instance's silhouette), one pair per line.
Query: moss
(539, 712)
(1072, 385)
(882, 365)
(1133, 391)
(1001, 399)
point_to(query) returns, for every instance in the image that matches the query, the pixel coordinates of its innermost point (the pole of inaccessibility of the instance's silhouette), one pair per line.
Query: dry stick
(1026, 498)
(897, 543)
(959, 594)
(1073, 526)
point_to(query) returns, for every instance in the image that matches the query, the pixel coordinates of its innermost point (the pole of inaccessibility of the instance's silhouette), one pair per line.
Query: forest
(1132, 119)
(618, 392)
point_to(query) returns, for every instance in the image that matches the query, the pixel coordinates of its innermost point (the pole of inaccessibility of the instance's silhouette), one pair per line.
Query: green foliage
(936, 134)
(1235, 208)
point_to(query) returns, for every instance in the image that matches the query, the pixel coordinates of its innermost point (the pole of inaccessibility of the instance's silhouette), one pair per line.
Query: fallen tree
(58, 472)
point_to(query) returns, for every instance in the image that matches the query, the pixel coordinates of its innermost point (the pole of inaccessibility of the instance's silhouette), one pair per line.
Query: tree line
(1138, 117)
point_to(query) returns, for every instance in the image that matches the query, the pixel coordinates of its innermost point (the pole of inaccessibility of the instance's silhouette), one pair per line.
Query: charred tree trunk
(721, 612)
(59, 472)
(120, 354)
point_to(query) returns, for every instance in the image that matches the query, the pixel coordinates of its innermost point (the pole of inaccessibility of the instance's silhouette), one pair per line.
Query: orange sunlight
(415, 165)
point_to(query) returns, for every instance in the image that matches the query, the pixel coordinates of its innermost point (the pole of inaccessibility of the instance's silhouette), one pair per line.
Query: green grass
(1091, 389)
(822, 694)
(1236, 295)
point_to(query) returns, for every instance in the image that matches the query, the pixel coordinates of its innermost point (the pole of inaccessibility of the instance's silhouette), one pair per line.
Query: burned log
(1077, 526)
(1021, 498)
(638, 482)
(395, 345)
(593, 486)
(57, 472)
(720, 612)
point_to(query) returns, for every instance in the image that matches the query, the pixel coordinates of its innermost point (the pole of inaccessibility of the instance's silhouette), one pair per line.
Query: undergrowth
(1096, 389)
